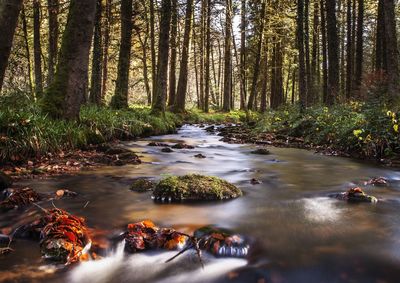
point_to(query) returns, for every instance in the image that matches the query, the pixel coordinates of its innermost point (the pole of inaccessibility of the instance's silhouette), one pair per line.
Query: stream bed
(298, 233)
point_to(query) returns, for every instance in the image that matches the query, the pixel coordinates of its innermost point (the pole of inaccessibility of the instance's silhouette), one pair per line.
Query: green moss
(142, 185)
(195, 188)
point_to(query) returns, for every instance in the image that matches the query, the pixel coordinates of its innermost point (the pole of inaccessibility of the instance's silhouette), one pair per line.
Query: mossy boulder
(194, 188)
(142, 185)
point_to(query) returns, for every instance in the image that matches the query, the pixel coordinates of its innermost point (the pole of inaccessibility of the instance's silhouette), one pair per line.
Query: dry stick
(194, 244)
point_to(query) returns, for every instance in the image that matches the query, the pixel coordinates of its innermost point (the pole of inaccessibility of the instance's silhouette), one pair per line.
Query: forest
(239, 95)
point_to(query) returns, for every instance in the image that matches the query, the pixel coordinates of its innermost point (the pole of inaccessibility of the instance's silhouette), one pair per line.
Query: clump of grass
(199, 117)
(25, 131)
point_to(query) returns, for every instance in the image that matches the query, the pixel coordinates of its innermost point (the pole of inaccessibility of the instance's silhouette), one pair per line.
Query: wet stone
(167, 150)
(261, 151)
(5, 181)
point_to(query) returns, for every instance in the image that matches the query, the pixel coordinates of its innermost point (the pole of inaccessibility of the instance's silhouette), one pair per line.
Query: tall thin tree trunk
(349, 59)
(180, 102)
(315, 55)
(153, 49)
(392, 51)
(243, 55)
(53, 10)
(208, 55)
(120, 98)
(380, 46)
(97, 58)
(300, 45)
(263, 104)
(37, 49)
(256, 73)
(360, 45)
(324, 54)
(160, 96)
(309, 82)
(228, 58)
(173, 43)
(107, 28)
(69, 88)
(333, 52)
(28, 53)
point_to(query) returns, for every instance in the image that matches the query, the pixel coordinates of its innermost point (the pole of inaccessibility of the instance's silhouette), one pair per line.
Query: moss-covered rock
(142, 185)
(195, 188)
(261, 151)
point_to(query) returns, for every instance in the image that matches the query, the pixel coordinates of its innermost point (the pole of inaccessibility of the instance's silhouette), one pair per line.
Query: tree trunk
(162, 60)
(243, 90)
(309, 81)
(183, 72)
(69, 88)
(392, 51)
(300, 45)
(37, 49)
(107, 27)
(120, 98)
(207, 78)
(360, 45)
(380, 46)
(228, 58)
(28, 53)
(53, 10)
(263, 104)
(315, 55)
(172, 67)
(324, 54)
(349, 59)
(9, 11)
(256, 73)
(333, 52)
(277, 77)
(97, 58)
(153, 48)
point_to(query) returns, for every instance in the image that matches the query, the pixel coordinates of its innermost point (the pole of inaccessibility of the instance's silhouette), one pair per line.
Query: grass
(368, 130)
(26, 132)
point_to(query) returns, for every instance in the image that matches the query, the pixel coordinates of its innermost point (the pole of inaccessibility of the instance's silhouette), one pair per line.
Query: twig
(87, 203)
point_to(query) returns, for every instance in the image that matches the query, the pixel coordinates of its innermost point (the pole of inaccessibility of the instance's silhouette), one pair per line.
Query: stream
(298, 233)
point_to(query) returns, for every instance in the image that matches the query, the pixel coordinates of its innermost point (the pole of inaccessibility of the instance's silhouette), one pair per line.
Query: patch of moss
(195, 188)
(142, 185)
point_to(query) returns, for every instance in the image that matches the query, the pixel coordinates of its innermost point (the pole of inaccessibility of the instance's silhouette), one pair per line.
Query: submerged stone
(356, 195)
(195, 188)
(142, 185)
(222, 242)
(5, 181)
(182, 146)
(167, 150)
(261, 151)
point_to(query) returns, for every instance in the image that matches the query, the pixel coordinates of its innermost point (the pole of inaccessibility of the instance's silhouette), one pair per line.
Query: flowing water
(298, 233)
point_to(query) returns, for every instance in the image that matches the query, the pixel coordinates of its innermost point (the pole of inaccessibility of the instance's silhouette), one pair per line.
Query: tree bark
(97, 58)
(392, 52)
(300, 46)
(37, 49)
(228, 58)
(162, 60)
(380, 46)
(260, 31)
(207, 78)
(333, 52)
(9, 11)
(349, 60)
(120, 98)
(28, 53)
(69, 88)
(324, 54)
(360, 45)
(153, 48)
(107, 28)
(243, 90)
(183, 72)
(53, 10)
(309, 81)
(172, 67)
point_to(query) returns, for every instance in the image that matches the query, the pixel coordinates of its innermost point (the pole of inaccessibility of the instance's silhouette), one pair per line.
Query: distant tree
(120, 98)
(160, 96)
(53, 10)
(180, 101)
(97, 58)
(37, 49)
(333, 52)
(227, 90)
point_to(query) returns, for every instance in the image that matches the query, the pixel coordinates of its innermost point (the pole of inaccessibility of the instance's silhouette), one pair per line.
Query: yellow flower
(396, 128)
(357, 133)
